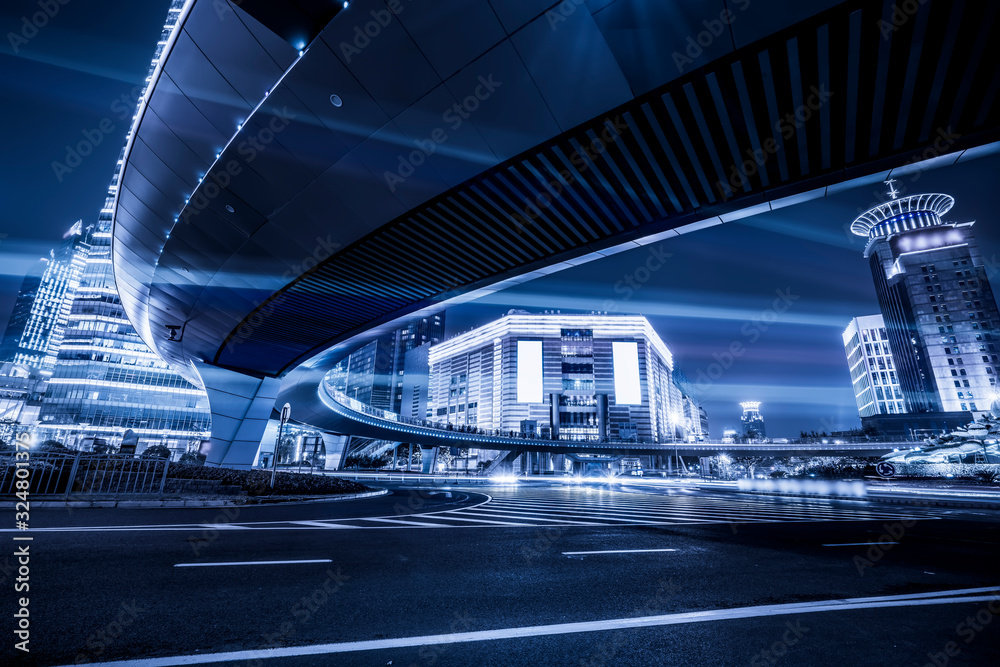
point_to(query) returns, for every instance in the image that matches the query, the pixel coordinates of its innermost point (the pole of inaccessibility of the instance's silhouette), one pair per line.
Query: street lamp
(286, 412)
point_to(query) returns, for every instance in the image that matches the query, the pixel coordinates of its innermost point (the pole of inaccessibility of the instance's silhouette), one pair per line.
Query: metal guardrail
(84, 473)
(354, 409)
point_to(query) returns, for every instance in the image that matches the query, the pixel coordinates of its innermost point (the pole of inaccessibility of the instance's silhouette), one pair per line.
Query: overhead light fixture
(230, 208)
(336, 101)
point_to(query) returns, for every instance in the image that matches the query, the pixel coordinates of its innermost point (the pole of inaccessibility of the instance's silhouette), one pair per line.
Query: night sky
(718, 287)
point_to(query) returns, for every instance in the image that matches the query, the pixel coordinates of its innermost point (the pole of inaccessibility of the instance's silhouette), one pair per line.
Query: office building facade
(568, 377)
(106, 380)
(36, 325)
(374, 374)
(940, 313)
(873, 371)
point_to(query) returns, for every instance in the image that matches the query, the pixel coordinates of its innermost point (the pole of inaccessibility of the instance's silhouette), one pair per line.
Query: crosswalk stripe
(407, 522)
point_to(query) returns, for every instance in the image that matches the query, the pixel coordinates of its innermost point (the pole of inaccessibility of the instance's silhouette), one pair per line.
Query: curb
(196, 502)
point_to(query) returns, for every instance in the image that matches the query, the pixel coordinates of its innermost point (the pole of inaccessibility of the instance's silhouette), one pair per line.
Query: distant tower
(940, 313)
(753, 423)
(38, 322)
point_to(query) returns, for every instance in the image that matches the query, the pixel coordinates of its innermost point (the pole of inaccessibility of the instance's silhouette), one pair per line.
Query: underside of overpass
(300, 180)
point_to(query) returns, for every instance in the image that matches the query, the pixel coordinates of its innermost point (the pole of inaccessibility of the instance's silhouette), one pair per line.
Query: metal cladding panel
(396, 87)
(451, 35)
(513, 117)
(359, 193)
(139, 197)
(321, 75)
(574, 44)
(209, 92)
(153, 170)
(758, 19)
(297, 130)
(279, 50)
(457, 150)
(233, 50)
(657, 42)
(399, 167)
(516, 13)
(173, 151)
(173, 109)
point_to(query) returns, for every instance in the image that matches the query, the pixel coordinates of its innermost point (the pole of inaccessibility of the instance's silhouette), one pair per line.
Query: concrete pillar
(336, 450)
(241, 406)
(428, 458)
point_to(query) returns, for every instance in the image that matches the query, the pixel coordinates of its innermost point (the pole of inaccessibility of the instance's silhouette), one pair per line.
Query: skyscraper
(873, 372)
(935, 296)
(374, 373)
(753, 423)
(106, 380)
(35, 329)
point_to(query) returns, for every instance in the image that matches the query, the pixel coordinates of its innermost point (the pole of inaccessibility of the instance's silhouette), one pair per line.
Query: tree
(157, 452)
(103, 448)
(53, 446)
(749, 462)
(193, 458)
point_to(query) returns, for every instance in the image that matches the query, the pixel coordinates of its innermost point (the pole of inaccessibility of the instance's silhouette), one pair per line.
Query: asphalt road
(516, 565)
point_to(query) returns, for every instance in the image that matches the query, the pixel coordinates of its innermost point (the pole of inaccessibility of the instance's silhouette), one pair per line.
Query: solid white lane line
(318, 524)
(549, 630)
(256, 562)
(614, 551)
(858, 544)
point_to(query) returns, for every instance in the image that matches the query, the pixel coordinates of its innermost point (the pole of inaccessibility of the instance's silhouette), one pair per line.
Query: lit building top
(901, 215)
(550, 325)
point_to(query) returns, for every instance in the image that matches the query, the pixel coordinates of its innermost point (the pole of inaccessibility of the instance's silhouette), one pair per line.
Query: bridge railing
(496, 438)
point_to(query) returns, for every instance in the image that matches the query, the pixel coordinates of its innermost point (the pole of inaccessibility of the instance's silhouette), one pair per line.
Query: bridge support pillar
(428, 458)
(336, 450)
(241, 406)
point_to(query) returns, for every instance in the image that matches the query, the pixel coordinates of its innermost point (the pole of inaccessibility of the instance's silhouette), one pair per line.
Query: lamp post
(286, 412)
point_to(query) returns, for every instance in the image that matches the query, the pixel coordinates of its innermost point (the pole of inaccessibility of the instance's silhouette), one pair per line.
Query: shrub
(988, 476)
(53, 446)
(193, 458)
(156, 451)
(258, 482)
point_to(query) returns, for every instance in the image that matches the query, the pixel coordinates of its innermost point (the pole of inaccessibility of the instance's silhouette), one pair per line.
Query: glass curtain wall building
(940, 313)
(873, 373)
(374, 374)
(106, 380)
(41, 311)
(570, 377)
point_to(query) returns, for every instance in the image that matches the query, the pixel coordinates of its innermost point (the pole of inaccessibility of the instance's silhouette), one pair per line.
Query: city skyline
(67, 88)
(784, 342)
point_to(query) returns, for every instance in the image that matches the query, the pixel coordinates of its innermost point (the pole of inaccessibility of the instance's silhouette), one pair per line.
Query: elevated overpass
(360, 419)
(298, 181)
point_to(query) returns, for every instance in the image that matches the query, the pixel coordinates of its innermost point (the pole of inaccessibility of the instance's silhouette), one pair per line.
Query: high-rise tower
(35, 329)
(106, 380)
(935, 296)
(753, 423)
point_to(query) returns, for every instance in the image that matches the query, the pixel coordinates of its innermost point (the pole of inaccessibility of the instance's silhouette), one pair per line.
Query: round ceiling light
(336, 101)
